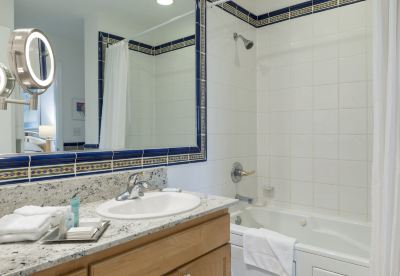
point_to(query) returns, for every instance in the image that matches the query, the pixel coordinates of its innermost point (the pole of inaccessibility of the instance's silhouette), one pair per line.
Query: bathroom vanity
(191, 243)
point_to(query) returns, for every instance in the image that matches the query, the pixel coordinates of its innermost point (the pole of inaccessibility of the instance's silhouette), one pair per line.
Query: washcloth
(17, 224)
(81, 233)
(7, 238)
(269, 251)
(57, 213)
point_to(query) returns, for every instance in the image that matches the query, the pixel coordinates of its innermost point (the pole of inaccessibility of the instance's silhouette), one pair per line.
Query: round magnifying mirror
(7, 81)
(32, 60)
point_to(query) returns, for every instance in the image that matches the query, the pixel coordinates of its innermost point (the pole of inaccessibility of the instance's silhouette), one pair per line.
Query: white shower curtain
(385, 251)
(113, 123)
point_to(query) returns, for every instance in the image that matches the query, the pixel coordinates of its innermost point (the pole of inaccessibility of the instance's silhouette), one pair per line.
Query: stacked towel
(269, 251)
(57, 213)
(15, 228)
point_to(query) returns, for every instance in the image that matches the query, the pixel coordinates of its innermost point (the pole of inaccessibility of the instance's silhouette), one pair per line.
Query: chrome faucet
(249, 200)
(134, 188)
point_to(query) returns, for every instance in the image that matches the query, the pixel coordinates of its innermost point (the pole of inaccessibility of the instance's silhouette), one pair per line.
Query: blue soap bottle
(75, 202)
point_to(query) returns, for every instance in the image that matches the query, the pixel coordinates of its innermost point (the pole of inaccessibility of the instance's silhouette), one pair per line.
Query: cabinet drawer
(79, 272)
(215, 263)
(166, 254)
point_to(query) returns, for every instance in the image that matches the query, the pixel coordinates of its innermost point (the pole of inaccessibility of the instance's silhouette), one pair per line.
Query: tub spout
(249, 200)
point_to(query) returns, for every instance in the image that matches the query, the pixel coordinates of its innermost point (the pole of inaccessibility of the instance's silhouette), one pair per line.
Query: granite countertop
(25, 258)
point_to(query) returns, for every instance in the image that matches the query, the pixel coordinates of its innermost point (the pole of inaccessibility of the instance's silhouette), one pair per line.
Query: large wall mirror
(130, 75)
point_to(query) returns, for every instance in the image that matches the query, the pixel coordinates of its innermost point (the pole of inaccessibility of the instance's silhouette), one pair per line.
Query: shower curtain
(385, 251)
(113, 122)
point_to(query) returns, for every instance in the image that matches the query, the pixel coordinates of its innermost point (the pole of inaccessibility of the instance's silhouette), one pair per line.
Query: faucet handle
(134, 176)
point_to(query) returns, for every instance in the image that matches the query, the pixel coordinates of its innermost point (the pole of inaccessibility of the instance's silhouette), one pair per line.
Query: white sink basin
(151, 205)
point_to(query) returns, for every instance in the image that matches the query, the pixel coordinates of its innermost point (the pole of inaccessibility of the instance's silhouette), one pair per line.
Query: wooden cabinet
(197, 247)
(79, 272)
(215, 263)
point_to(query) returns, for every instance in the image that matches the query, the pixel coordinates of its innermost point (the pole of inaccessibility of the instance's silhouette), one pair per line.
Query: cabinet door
(215, 263)
(79, 272)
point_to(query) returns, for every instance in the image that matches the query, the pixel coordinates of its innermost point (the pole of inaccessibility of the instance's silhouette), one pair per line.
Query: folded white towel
(56, 212)
(32, 210)
(17, 224)
(7, 238)
(269, 251)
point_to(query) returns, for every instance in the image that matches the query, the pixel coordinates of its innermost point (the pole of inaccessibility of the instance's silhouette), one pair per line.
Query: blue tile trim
(74, 144)
(25, 168)
(291, 12)
(91, 146)
(94, 156)
(46, 159)
(9, 162)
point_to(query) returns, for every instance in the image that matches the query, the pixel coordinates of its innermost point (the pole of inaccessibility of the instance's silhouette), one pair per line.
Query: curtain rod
(209, 5)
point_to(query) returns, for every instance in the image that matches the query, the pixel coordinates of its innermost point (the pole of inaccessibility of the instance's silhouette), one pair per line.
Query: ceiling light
(165, 2)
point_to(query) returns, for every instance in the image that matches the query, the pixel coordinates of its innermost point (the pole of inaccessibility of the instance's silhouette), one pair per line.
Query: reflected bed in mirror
(153, 98)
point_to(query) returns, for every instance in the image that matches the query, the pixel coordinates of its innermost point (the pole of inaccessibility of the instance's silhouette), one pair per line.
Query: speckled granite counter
(26, 258)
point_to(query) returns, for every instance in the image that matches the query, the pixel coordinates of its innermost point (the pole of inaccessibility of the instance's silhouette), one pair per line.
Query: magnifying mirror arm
(32, 103)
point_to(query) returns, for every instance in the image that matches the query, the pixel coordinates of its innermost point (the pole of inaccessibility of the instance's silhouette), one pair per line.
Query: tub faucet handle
(238, 172)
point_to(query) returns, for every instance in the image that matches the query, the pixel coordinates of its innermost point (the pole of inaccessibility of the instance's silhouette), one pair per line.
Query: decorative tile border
(295, 11)
(39, 167)
(87, 163)
(107, 39)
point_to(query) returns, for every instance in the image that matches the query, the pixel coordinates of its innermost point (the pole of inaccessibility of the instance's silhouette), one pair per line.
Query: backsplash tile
(59, 192)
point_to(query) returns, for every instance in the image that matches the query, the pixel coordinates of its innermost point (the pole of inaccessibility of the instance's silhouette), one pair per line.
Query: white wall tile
(317, 69)
(353, 68)
(302, 122)
(326, 171)
(326, 96)
(280, 167)
(326, 23)
(353, 147)
(326, 196)
(354, 200)
(302, 145)
(326, 71)
(326, 146)
(353, 95)
(325, 121)
(302, 169)
(302, 193)
(353, 121)
(280, 144)
(353, 173)
(302, 98)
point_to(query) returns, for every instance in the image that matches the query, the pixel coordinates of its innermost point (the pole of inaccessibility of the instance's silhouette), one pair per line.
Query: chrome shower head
(248, 44)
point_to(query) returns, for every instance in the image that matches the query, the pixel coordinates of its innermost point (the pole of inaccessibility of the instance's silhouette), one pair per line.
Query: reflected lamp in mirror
(32, 64)
(48, 132)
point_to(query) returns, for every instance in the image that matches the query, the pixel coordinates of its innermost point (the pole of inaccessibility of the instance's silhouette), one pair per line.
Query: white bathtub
(327, 246)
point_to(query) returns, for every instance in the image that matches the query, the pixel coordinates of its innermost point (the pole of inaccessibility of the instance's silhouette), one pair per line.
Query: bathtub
(326, 246)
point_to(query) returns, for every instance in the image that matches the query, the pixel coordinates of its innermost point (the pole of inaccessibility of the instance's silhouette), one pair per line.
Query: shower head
(248, 44)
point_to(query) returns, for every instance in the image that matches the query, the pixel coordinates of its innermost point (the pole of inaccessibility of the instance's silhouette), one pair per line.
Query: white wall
(314, 111)
(231, 112)
(141, 97)
(162, 100)
(175, 98)
(7, 120)
(68, 46)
